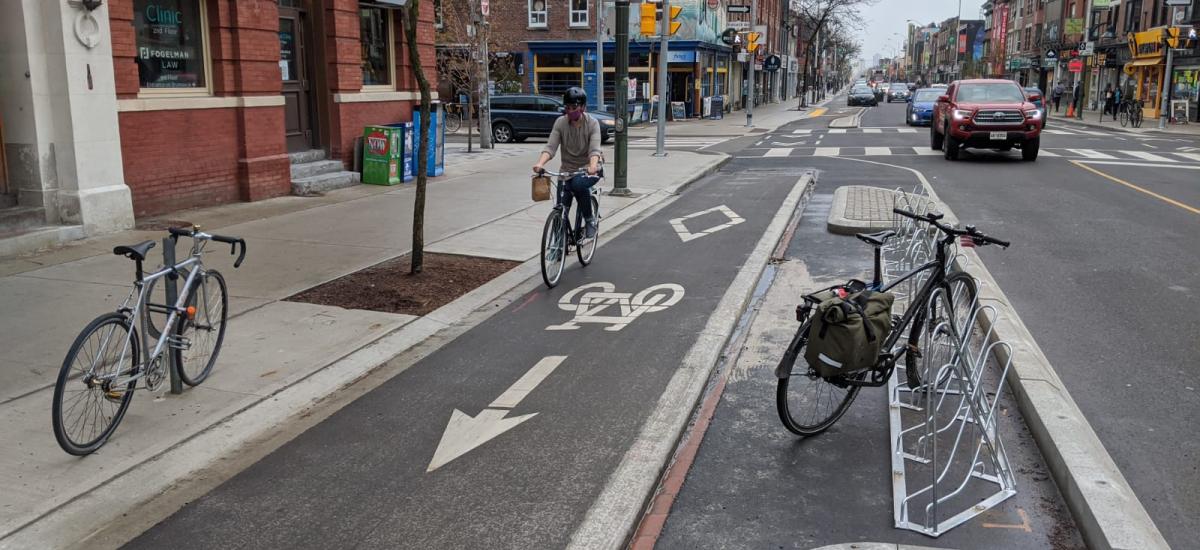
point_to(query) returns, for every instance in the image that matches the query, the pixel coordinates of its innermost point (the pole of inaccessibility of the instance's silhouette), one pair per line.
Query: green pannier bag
(847, 333)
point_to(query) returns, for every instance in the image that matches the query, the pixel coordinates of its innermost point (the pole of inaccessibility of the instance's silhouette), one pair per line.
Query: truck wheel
(1029, 150)
(950, 146)
(935, 140)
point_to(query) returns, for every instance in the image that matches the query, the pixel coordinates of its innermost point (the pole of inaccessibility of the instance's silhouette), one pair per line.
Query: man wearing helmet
(578, 134)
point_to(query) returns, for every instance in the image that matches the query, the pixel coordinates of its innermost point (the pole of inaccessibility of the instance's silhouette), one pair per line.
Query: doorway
(299, 122)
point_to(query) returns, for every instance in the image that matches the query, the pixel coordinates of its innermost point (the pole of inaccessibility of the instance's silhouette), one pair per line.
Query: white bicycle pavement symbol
(600, 303)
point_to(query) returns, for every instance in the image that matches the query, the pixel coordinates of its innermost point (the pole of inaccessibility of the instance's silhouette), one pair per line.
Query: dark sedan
(862, 95)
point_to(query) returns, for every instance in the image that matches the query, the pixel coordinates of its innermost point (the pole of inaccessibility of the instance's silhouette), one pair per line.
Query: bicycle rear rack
(945, 432)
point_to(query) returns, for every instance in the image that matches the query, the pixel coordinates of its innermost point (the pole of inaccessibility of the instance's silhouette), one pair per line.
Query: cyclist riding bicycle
(578, 135)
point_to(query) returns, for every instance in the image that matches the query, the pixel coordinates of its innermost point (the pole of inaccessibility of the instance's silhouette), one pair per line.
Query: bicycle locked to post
(557, 235)
(816, 389)
(113, 353)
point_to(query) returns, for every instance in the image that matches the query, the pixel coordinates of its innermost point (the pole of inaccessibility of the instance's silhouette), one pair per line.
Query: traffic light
(1181, 37)
(674, 27)
(752, 41)
(648, 15)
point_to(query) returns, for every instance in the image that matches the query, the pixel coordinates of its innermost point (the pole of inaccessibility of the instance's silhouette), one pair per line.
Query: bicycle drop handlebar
(970, 231)
(233, 242)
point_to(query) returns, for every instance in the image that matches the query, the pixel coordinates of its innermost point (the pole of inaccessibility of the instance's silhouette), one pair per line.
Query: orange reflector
(191, 312)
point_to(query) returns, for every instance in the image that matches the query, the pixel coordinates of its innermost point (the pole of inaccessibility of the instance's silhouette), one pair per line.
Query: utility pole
(485, 99)
(664, 32)
(600, 55)
(1163, 111)
(1087, 36)
(753, 55)
(621, 87)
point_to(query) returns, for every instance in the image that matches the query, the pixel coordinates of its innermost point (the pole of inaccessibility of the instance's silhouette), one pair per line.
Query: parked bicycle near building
(113, 353)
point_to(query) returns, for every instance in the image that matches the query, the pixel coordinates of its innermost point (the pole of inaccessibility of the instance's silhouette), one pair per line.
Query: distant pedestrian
(1057, 94)
(1110, 105)
(1077, 99)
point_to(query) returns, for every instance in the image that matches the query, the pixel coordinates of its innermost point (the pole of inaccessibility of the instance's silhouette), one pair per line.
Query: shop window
(375, 37)
(558, 60)
(554, 84)
(172, 45)
(537, 14)
(579, 13)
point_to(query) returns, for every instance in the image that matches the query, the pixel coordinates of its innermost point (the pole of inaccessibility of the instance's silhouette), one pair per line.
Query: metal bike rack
(949, 463)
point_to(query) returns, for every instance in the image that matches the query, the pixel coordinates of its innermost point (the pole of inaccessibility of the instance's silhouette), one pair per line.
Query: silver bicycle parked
(109, 358)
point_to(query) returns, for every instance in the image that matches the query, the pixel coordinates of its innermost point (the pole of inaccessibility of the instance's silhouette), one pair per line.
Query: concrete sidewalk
(767, 117)
(279, 358)
(1092, 119)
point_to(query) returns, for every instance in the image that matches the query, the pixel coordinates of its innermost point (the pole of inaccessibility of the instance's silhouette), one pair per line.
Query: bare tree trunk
(414, 59)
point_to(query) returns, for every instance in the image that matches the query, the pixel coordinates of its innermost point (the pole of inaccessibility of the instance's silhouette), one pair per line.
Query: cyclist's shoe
(590, 232)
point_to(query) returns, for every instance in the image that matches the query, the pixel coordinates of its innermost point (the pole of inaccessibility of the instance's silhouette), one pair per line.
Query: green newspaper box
(383, 155)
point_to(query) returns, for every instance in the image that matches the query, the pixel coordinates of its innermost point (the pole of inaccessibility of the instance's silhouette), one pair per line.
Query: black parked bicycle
(557, 235)
(1130, 112)
(809, 404)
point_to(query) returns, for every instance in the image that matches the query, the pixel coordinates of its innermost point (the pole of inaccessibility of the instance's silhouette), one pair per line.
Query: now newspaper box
(384, 154)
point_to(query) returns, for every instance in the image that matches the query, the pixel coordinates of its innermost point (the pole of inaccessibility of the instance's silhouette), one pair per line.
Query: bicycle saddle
(136, 252)
(876, 239)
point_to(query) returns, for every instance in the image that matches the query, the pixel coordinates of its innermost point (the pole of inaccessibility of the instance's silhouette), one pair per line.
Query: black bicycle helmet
(574, 96)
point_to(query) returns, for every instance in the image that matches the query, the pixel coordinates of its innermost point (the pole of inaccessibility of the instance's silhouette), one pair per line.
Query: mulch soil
(390, 288)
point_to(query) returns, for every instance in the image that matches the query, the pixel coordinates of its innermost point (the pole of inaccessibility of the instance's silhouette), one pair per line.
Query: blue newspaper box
(406, 149)
(437, 142)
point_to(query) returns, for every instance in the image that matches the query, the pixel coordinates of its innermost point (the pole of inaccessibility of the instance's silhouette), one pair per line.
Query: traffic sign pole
(753, 55)
(665, 30)
(621, 141)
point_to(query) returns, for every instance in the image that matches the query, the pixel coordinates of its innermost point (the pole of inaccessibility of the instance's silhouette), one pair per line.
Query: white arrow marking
(464, 433)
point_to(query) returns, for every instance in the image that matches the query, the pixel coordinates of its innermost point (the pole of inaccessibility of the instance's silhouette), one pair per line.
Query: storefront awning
(1146, 62)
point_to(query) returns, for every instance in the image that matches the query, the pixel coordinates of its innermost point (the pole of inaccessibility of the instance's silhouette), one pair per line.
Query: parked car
(519, 116)
(898, 92)
(1032, 92)
(986, 113)
(920, 106)
(862, 95)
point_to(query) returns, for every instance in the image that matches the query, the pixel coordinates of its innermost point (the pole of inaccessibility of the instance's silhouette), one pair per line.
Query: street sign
(772, 63)
(739, 25)
(1178, 2)
(1051, 54)
(737, 9)
(1075, 66)
(1087, 49)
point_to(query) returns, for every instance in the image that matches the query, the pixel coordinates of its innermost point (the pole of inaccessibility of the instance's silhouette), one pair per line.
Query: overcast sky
(888, 16)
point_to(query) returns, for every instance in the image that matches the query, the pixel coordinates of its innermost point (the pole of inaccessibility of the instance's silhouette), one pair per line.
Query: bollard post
(172, 295)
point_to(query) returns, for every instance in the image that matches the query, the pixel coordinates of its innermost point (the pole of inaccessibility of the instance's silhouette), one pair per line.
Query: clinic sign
(170, 43)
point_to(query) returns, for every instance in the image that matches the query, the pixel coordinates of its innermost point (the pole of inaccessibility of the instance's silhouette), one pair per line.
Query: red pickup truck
(986, 114)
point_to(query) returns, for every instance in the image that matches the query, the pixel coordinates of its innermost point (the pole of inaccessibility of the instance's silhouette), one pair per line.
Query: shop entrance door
(293, 68)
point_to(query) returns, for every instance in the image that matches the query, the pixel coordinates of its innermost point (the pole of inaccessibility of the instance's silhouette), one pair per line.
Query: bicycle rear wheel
(554, 248)
(808, 404)
(587, 251)
(954, 308)
(198, 340)
(1135, 117)
(87, 407)
(453, 122)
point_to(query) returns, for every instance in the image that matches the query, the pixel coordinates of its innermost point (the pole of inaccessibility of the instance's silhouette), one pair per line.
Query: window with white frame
(537, 14)
(579, 13)
(172, 45)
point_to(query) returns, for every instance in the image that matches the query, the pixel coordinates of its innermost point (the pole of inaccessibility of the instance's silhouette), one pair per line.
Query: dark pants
(1057, 101)
(579, 187)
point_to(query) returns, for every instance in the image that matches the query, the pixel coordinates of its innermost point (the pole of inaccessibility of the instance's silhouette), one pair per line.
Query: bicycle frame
(139, 317)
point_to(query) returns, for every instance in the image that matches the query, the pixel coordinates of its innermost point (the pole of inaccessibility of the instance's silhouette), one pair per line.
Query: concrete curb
(876, 546)
(614, 515)
(85, 520)
(1104, 506)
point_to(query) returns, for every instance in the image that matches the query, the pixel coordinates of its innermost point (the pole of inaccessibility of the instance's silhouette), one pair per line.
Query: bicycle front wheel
(453, 122)
(554, 248)
(587, 251)
(1136, 117)
(87, 404)
(807, 403)
(198, 339)
(1123, 118)
(926, 342)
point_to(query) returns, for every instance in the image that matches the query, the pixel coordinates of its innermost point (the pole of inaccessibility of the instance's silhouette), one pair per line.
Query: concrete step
(18, 219)
(38, 238)
(324, 182)
(316, 168)
(302, 157)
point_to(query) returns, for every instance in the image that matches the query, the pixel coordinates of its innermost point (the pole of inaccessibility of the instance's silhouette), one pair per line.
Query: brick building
(143, 107)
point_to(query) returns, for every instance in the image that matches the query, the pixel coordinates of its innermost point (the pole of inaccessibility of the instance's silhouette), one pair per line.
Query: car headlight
(1033, 113)
(914, 117)
(962, 114)
(610, 122)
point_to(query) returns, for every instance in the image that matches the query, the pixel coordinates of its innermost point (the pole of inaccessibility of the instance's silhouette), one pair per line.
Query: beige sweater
(579, 143)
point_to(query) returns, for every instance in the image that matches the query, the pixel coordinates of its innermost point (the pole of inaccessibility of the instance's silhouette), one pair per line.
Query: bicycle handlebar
(970, 231)
(579, 172)
(233, 242)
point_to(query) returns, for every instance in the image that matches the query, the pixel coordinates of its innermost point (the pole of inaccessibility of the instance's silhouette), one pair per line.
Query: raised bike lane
(507, 436)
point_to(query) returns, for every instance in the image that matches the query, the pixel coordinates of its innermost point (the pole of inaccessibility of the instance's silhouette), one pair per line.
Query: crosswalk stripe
(1190, 156)
(871, 131)
(1091, 154)
(1048, 153)
(1059, 132)
(907, 130)
(837, 131)
(778, 152)
(805, 132)
(1148, 156)
(926, 151)
(878, 151)
(826, 151)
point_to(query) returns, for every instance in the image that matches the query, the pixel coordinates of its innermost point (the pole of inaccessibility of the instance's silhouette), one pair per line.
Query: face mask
(574, 115)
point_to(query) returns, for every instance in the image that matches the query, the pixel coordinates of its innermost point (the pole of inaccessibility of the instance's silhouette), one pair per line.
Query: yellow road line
(1136, 188)
(817, 112)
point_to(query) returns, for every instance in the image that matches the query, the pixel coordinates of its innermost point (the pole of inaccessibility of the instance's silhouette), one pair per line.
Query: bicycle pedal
(115, 396)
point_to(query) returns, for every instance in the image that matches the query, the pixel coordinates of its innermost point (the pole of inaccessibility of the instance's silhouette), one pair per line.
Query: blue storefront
(696, 70)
